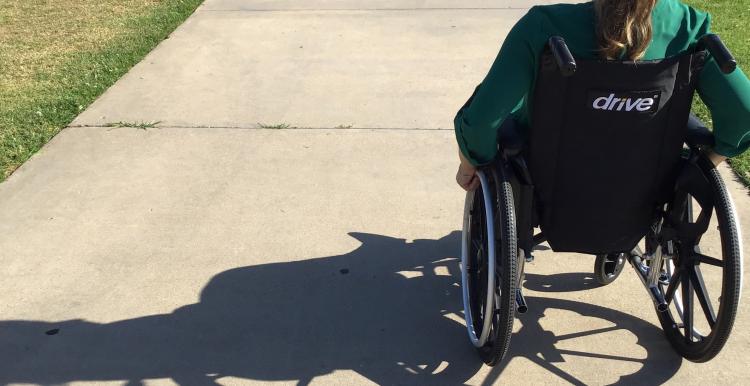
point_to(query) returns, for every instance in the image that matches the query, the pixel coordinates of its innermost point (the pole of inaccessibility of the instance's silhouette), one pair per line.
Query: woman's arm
(508, 80)
(728, 99)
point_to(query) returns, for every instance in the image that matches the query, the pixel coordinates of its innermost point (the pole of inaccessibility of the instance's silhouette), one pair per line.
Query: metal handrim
(479, 340)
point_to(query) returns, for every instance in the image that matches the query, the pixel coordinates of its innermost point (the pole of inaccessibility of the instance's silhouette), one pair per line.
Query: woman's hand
(466, 176)
(716, 158)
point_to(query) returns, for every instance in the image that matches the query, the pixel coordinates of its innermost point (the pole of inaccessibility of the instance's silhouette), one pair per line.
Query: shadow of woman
(376, 311)
(389, 310)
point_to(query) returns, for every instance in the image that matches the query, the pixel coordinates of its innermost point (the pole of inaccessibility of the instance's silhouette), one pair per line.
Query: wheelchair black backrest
(604, 146)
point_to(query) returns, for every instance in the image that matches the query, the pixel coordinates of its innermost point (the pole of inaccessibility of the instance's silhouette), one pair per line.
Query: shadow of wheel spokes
(545, 349)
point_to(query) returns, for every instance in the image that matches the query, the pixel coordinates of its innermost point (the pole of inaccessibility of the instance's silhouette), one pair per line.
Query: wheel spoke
(702, 294)
(687, 307)
(477, 245)
(673, 282)
(475, 304)
(709, 260)
(475, 285)
(689, 208)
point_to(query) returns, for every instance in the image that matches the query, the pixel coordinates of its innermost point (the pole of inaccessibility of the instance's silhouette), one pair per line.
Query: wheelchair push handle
(565, 61)
(724, 58)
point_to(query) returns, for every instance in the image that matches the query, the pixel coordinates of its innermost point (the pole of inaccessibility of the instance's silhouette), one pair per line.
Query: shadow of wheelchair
(546, 349)
(561, 282)
(389, 311)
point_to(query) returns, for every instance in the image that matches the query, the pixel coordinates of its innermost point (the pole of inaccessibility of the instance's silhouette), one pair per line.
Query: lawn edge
(90, 74)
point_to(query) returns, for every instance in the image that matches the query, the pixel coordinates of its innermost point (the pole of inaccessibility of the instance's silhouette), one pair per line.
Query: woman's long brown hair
(624, 28)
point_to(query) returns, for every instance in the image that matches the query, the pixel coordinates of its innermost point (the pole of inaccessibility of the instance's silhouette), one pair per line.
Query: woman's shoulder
(678, 11)
(557, 18)
(554, 12)
(563, 8)
(677, 26)
(574, 22)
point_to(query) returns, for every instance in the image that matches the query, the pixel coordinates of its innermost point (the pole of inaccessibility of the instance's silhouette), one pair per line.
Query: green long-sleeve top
(506, 89)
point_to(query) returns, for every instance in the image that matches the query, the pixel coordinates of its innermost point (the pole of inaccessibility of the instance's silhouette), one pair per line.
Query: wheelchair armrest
(698, 134)
(510, 139)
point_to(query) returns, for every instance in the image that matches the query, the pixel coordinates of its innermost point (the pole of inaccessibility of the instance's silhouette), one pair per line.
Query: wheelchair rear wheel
(489, 262)
(713, 276)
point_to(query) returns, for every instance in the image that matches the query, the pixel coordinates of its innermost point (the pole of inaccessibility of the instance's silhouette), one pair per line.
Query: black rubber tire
(607, 268)
(507, 270)
(709, 346)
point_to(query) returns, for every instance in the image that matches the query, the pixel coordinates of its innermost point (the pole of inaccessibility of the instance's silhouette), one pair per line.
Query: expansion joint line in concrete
(265, 128)
(364, 9)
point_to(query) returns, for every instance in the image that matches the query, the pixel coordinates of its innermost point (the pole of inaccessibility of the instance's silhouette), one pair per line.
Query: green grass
(137, 125)
(730, 22)
(277, 126)
(56, 57)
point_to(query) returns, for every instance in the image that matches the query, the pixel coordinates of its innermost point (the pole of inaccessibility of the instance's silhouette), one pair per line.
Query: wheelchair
(612, 165)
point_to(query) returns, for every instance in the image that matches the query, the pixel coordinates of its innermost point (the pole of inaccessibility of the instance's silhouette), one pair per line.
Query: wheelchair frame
(492, 265)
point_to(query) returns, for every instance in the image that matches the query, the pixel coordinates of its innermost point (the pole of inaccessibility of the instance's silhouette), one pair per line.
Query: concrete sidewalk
(391, 68)
(210, 251)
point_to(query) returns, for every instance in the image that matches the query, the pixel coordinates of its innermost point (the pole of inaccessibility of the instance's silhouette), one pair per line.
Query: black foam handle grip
(719, 51)
(565, 61)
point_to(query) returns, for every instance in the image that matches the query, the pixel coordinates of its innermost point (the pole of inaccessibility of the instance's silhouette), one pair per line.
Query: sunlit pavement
(293, 219)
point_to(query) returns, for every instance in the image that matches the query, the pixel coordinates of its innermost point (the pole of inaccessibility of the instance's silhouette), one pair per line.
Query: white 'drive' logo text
(632, 101)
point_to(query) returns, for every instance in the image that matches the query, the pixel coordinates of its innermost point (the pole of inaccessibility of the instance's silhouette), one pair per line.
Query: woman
(610, 29)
